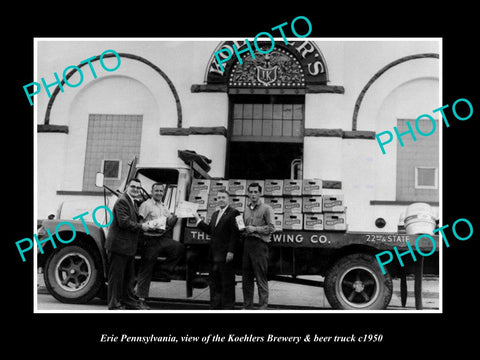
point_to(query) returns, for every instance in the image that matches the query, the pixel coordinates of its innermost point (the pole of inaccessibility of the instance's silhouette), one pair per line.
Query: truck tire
(355, 282)
(73, 274)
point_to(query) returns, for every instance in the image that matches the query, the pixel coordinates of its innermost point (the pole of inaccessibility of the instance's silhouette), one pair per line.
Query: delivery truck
(311, 245)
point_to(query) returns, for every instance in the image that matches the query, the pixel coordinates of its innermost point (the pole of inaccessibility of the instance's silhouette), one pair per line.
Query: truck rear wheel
(73, 274)
(355, 282)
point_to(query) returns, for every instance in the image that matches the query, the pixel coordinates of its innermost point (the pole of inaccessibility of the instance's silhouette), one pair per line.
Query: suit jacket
(124, 231)
(224, 236)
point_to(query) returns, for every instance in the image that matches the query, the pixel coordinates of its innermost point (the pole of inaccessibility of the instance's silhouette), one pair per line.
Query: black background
(403, 334)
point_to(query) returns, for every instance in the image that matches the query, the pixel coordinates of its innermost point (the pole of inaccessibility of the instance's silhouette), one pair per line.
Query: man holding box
(259, 224)
(223, 230)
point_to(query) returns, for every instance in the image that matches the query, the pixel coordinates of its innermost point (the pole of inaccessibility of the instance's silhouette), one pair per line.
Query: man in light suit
(223, 244)
(121, 245)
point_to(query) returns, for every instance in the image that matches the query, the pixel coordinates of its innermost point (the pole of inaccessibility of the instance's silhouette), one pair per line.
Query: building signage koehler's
(306, 54)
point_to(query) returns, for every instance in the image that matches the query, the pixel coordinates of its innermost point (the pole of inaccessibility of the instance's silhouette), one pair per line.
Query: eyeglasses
(135, 187)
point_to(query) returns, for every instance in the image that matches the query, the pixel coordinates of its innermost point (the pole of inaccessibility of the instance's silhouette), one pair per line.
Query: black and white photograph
(343, 155)
(297, 181)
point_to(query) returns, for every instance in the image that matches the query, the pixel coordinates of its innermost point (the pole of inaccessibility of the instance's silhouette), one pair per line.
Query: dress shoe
(121, 307)
(137, 306)
(143, 305)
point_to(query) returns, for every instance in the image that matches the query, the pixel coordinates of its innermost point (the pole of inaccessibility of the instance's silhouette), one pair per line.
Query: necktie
(220, 213)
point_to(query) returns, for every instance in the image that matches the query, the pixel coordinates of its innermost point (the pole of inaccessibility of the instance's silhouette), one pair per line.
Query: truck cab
(77, 272)
(352, 279)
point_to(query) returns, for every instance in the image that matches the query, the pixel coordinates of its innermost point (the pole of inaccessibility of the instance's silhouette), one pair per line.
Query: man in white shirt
(157, 242)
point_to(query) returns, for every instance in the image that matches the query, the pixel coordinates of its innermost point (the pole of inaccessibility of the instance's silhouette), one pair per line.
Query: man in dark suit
(223, 244)
(121, 245)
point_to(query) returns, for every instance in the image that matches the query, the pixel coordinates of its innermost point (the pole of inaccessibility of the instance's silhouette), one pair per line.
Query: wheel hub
(358, 286)
(73, 272)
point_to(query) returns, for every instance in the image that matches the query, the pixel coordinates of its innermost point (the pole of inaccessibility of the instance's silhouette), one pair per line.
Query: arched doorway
(266, 92)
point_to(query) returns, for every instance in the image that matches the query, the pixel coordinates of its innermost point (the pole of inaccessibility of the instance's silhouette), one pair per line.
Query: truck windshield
(149, 176)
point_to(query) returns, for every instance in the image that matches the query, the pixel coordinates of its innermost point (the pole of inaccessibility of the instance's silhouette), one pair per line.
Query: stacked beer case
(273, 196)
(334, 212)
(200, 193)
(312, 191)
(298, 204)
(204, 191)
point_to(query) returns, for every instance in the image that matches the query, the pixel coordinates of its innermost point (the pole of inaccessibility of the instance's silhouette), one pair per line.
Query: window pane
(426, 177)
(267, 111)
(237, 127)
(298, 112)
(257, 128)
(267, 128)
(287, 128)
(111, 168)
(277, 111)
(277, 128)
(257, 111)
(297, 128)
(287, 111)
(237, 111)
(247, 127)
(247, 111)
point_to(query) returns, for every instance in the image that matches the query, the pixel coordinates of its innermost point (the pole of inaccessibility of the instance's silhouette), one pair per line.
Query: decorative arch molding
(300, 63)
(278, 68)
(379, 73)
(46, 127)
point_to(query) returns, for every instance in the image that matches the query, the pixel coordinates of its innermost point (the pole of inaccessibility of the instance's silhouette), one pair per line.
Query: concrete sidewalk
(281, 294)
(288, 294)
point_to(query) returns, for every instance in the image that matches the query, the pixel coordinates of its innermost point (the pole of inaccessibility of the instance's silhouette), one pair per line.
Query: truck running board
(296, 280)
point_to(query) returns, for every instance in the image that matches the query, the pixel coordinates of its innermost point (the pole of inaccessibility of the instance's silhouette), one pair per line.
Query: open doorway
(262, 160)
(265, 136)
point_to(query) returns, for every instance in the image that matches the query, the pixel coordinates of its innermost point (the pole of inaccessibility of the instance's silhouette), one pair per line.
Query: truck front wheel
(355, 282)
(73, 274)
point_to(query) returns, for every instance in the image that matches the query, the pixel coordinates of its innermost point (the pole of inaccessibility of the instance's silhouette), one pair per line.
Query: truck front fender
(87, 231)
